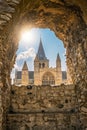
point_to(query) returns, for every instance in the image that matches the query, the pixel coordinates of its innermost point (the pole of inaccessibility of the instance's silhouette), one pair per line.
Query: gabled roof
(41, 53)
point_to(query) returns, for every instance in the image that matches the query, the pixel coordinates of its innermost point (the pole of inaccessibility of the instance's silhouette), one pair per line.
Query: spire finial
(58, 56)
(40, 40)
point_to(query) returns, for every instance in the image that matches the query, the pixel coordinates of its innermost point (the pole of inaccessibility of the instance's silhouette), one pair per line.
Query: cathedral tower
(58, 70)
(25, 76)
(40, 62)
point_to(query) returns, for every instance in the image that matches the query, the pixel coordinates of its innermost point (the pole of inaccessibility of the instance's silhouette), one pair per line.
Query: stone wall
(43, 98)
(42, 121)
(45, 108)
(1, 109)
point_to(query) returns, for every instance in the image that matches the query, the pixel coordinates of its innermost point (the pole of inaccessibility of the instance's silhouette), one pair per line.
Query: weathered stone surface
(42, 105)
(68, 19)
(45, 121)
(47, 98)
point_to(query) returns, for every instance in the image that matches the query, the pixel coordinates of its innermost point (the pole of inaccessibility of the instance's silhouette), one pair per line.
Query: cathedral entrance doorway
(48, 79)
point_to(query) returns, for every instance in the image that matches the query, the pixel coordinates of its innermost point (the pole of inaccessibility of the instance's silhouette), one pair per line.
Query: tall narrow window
(43, 65)
(39, 65)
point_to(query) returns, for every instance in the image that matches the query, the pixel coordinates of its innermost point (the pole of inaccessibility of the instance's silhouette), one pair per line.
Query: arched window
(48, 79)
(43, 65)
(39, 65)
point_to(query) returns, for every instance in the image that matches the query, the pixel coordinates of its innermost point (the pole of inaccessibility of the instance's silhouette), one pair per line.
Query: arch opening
(45, 52)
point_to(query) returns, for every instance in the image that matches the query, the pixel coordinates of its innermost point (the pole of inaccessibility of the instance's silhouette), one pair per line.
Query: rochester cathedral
(42, 74)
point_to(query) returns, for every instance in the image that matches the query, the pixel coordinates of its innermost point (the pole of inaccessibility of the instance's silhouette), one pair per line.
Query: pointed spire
(58, 63)
(25, 67)
(41, 53)
(58, 57)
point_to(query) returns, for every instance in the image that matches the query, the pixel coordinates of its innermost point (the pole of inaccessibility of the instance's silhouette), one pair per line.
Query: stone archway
(66, 20)
(48, 79)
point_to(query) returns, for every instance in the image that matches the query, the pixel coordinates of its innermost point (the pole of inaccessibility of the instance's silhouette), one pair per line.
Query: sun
(28, 36)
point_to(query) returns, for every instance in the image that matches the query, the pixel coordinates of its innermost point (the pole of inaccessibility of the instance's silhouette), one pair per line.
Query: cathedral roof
(19, 74)
(25, 67)
(30, 73)
(64, 75)
(41, 53)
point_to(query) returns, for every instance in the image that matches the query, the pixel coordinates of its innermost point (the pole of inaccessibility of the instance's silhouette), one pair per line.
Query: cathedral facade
(42, 74)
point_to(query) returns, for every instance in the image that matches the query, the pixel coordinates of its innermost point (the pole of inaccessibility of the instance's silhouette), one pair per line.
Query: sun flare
(28, 36)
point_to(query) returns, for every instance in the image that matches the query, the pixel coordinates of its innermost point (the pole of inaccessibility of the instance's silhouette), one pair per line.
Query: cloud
(17, 67)
(30, 53)
(21, 57)
(12, 73)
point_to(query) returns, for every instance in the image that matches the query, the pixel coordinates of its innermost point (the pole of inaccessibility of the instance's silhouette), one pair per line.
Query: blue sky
(28, 48)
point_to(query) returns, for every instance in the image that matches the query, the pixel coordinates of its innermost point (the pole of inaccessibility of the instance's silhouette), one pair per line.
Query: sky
(28, 47)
